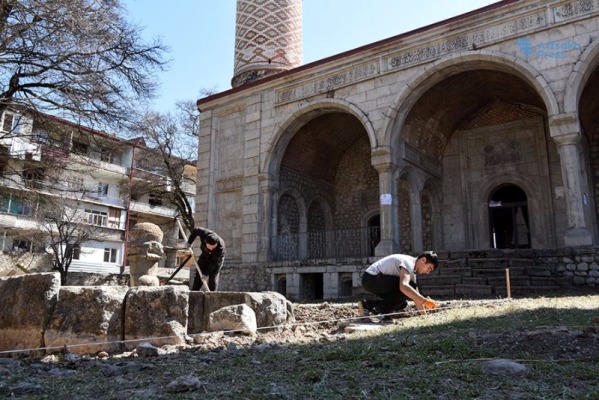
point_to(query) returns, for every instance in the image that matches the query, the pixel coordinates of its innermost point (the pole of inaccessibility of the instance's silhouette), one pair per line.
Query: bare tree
(173, 137)
(64, 227)
(80, 59)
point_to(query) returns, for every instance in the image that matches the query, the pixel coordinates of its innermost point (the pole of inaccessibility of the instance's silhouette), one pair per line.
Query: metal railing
(340, 243)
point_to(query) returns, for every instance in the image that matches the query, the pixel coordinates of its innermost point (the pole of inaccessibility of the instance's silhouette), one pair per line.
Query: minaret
(268, 38)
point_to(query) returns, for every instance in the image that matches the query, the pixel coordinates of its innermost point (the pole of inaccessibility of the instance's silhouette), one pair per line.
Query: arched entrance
(328, 160)
(509, 220)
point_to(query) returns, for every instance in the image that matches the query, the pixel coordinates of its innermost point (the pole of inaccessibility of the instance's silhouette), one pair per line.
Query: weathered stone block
(27, 304)
(157, 314)
(237, 318)
(271, 308)
(87, 319)
(211, 301)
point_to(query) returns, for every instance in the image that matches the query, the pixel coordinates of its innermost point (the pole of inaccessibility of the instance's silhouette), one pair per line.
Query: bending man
(393, 279)
(212, 258)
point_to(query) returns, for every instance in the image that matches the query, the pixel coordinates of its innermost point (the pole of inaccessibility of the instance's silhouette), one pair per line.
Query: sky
(201, 34)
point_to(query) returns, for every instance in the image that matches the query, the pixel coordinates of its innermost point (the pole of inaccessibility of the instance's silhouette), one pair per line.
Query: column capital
(381, 159)
(565, 129)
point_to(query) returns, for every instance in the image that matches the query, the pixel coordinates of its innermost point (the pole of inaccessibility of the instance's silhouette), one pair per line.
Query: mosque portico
(473, 134)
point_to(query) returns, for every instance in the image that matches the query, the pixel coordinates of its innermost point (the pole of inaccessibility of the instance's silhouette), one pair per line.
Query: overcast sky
(201, 34)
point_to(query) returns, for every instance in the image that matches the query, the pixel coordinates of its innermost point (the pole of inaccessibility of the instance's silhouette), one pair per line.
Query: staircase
(486, 277)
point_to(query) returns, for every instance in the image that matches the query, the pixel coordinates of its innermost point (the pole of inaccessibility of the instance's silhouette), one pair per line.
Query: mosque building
(476, 137)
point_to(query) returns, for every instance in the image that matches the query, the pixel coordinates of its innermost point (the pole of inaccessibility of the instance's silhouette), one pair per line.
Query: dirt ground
(328, 322)
(220, 360)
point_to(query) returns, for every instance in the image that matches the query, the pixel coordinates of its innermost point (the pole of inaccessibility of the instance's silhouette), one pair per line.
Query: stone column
(268, 192)
(565, 131)
(381, 160)
(144, 252)
(416, 186)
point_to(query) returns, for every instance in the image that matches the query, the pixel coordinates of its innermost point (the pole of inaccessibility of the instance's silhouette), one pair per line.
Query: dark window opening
(509, 219)
(374, 233)
(312, 286)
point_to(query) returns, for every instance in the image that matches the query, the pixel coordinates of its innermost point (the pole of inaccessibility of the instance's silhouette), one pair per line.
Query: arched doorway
(509, 219)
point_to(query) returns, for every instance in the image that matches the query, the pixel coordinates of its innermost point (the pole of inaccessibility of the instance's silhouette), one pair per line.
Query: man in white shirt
(393, 279)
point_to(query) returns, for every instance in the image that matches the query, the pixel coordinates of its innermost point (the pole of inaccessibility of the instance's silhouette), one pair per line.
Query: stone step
(429, 280)
(486, 291)
(528, 290)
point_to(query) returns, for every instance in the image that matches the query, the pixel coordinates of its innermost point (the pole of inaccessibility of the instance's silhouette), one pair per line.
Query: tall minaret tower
(268, 38)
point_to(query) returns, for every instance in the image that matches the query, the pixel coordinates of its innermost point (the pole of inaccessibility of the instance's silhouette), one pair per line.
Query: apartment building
(95, 182)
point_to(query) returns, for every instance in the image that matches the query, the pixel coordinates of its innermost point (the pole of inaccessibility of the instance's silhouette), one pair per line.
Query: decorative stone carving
(144, 252)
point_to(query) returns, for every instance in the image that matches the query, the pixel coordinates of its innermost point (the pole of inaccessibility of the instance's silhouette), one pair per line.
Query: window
(33, 177)
(10, 122)
(106, 156)
(102, 189)
(80, 148)
(155, 199)
(7, 122)
(114, 218)
(94, 217)
(21, 245)
(14, 206)
(76, 252)
(110, 255)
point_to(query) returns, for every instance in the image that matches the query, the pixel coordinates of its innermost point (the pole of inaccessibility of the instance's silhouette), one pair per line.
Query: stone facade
(476, 133)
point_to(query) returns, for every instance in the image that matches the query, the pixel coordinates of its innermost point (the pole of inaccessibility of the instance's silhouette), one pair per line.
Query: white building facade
(96, 177)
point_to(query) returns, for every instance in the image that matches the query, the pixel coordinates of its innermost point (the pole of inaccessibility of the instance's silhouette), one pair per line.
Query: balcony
(98, 165)
(106, 200)
(18, 222)
(145, 208)
(342, 243)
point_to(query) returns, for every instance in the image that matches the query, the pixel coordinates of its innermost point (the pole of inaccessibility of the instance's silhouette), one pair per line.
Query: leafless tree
(173, 136)
(80, 59)
(64, 227)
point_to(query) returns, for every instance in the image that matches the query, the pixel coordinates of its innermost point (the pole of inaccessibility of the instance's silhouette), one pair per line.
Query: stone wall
(482, 274)
(468, 274)
(39, 316)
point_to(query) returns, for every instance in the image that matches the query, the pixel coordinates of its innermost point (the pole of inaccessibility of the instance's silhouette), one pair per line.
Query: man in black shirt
(212, 258)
